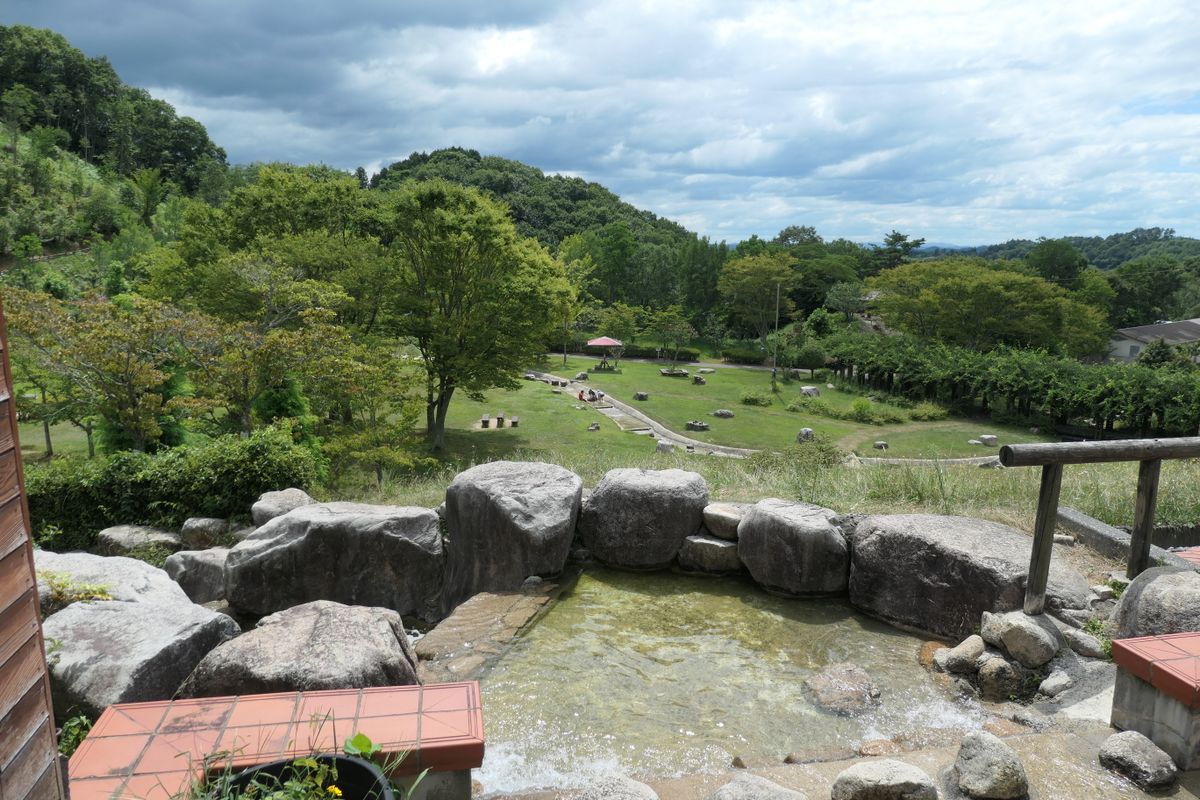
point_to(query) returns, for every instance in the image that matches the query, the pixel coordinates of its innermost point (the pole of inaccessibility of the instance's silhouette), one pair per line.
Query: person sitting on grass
(591, 395)
(581, 395)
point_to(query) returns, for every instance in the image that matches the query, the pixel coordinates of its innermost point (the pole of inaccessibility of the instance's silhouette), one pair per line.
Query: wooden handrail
(1051, 458)
(1039, 455)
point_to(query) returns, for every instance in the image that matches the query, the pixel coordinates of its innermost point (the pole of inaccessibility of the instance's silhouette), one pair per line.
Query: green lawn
(65, 437)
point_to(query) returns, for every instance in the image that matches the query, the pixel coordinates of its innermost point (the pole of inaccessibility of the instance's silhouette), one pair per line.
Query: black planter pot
(358, 779)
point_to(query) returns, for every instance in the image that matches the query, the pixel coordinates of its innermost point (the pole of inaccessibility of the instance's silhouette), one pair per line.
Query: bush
(71, 500)
(927, 412)
(743, 355)
(861, 410)
(752, 399)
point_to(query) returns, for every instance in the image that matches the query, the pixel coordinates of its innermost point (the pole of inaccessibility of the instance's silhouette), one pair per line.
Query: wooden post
(1143, 517)
(1043, 539)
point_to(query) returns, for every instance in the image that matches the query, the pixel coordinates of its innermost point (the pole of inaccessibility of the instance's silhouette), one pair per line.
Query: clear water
(664, 675)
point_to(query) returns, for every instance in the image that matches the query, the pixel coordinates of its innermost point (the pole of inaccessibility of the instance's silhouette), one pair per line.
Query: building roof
(1182, 332)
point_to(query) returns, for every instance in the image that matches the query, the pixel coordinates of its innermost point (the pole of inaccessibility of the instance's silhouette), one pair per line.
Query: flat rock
(722, 519)
(275, 504)
(709, 554)
(1160, 600)
(1139, 759)
(1084, 644)
(124, 652)
(961, 659)
(746, 786)
(638, 519)
(200, 573)
(939, 574)
(1056, 683)
(386, 556)
(124, 579)
(842, 689)
(1031, 640)
(311, 647)
(986, 767)
(506, 521)
(617, 788)
(121, 540)
(794, 548)
(884, 779)
(202, 533)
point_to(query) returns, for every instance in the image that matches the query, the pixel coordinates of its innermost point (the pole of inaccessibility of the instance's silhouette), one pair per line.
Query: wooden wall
(28, 750)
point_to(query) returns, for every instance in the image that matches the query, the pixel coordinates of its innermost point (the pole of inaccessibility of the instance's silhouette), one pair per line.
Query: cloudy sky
(963, 122)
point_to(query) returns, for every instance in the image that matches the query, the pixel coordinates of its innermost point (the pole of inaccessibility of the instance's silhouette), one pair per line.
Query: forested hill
(1103, 252)
(638, 256)
(47, 83)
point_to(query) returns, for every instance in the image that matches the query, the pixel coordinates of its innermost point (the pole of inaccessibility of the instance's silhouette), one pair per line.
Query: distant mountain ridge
(1104, 252)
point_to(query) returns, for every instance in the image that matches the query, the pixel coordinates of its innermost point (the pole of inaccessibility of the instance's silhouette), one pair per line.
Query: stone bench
(154, 750)
(485, 421)
(1157, 692)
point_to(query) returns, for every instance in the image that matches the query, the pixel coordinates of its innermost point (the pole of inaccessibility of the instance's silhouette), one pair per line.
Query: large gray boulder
(794, 548)
(709, 554)
(315, 646)
(1030, 640)
(883, 779)
(1160, 600)
(387, 556)
(939, 574)
(722, 519)
(961, 659)
(746, 786)
(638, 519)
(1139, 759)
(123, 652)
(202, 533)
(121, 540)
(275, 504)
(507, 521)
(988, 768)
(617, 787)
(124, 579)
(200, 573)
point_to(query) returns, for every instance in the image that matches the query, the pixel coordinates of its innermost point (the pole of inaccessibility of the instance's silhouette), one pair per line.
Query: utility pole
(775, 353)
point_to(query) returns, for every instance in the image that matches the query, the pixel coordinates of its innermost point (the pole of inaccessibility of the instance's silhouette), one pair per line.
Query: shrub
(927, 412)
(71, 500)
(743, 355)
(753, 399)
(860, 410)
(74, 731)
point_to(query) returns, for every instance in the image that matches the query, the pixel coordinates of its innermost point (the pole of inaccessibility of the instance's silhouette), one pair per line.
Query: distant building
(1126, 343)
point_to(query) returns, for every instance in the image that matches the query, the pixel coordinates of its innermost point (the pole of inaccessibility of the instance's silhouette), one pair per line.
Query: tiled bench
(150, 751)
(1192, 555)
(1157, 692)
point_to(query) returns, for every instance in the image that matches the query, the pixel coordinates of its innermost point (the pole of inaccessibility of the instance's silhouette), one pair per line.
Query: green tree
(672, 330)
(1058, 262)
(811, 357)
(846, 297)
(756, 289)
(149, 192)
(896, 249)
(1144, 290)
(478, 299)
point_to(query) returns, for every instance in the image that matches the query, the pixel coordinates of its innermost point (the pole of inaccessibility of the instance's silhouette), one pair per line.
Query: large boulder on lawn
(1160, 600)
(746, 786)
(988, 768)
(200, 573)
(121, 540)
(1139, 759)
(506, 521)
(883, 779)
(638, 518)
(387, 556)
(794, 548)
(939, 574)
(124, 579)
(113, 652)
(315, 646)
(275, 504)
(722, 519)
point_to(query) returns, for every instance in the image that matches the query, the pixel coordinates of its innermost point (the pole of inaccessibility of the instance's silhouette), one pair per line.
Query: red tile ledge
(1169, 663)
(160, 746)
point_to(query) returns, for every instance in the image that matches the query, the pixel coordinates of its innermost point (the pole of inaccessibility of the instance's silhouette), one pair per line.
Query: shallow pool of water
(663, 674)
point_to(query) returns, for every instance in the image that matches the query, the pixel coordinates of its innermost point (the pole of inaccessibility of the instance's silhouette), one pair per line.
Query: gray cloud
(968, 125)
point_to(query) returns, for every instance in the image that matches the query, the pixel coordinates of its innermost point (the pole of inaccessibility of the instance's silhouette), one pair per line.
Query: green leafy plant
(73, 732)
(360, 745)
(1118, 587)
(753, 399)
(1096, 627)
(64, 590)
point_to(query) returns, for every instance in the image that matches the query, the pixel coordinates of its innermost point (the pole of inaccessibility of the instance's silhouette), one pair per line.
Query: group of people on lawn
(591, 397)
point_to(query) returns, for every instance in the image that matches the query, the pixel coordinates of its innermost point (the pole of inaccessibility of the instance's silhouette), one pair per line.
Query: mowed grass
(66, 439)
(673, 401)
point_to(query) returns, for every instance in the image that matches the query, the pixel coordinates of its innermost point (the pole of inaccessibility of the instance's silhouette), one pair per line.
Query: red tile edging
(1169, 663)
(148, 751)
(1192, 555)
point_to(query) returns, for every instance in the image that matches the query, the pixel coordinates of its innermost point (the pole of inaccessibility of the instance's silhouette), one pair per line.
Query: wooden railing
(1052, 457)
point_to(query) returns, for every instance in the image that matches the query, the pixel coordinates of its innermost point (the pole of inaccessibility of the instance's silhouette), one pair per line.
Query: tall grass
(1104, 491)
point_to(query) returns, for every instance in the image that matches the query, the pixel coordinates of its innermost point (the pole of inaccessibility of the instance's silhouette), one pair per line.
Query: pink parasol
(605, 341)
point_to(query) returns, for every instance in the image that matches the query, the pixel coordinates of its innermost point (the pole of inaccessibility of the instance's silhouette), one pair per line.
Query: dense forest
(158, 296)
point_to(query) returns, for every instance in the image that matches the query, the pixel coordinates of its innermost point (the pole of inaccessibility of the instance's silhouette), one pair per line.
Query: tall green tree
(756, 289)
(1058, 262)
(477, 299)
